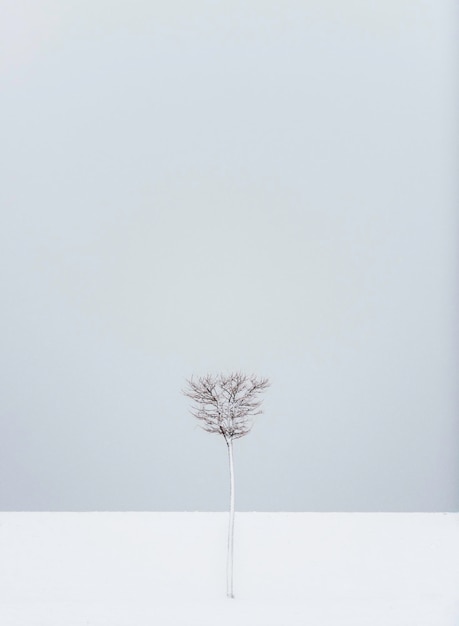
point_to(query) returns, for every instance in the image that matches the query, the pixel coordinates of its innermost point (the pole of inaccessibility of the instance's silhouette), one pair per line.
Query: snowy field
(308, 569)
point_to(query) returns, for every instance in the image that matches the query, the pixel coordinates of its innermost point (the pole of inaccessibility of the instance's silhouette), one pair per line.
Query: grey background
(205, 186)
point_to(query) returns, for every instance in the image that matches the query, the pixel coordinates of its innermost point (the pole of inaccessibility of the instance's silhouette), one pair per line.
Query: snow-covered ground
(308, 569)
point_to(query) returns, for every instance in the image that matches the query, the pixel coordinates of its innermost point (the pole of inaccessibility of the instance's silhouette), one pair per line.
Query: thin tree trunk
(229, 564)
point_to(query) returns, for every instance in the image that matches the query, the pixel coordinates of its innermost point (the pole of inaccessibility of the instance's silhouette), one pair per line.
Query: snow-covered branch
(226, 404)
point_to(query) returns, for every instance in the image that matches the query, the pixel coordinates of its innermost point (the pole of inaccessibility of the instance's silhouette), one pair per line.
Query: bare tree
(225, 405)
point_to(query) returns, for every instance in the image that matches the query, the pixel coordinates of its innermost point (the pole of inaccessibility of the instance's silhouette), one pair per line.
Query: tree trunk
(229, 564)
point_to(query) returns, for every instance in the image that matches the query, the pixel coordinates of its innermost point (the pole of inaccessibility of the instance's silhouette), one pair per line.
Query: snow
(315, 569)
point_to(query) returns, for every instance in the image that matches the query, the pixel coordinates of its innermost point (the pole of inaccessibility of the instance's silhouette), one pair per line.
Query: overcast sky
(191, 187)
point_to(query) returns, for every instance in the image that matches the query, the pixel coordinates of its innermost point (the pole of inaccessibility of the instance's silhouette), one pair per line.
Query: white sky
(204, 186)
